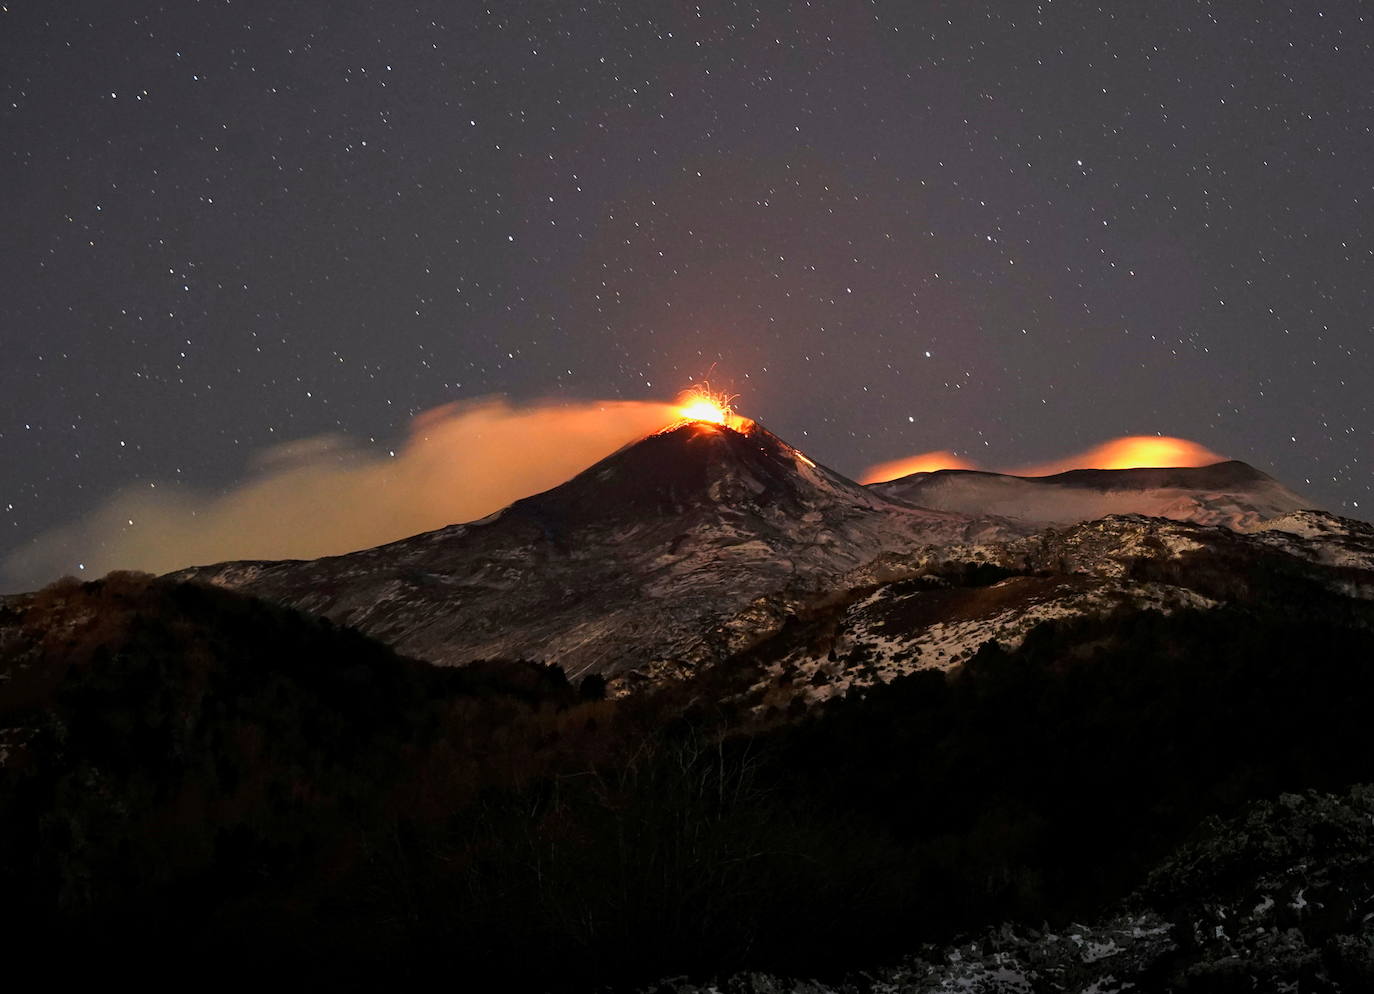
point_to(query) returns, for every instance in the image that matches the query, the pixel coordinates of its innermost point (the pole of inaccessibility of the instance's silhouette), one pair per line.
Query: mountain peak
(693, 464)
(648, 558)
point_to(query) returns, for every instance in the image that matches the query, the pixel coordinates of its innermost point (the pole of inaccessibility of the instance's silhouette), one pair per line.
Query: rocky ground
(1281, 899)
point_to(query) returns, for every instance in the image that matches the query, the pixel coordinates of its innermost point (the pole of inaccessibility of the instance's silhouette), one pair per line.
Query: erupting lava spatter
(701, 403)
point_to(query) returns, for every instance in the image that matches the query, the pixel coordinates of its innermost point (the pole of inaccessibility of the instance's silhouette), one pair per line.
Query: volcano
(697, 543)
(659, 557)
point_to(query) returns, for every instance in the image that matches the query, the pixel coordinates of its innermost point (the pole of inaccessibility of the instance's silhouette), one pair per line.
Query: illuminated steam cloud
(1128, 452)
(326, 495)
(926, 462)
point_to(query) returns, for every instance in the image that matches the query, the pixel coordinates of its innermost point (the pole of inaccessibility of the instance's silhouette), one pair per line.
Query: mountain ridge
(1230, 493)
(637, 560)
(1222, 473)
(692, 544)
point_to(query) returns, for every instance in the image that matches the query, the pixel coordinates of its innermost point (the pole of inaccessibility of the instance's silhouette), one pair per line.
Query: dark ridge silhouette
(1220, 475)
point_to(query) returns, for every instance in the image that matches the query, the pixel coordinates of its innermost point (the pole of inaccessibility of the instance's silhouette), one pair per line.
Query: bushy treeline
(202, 773)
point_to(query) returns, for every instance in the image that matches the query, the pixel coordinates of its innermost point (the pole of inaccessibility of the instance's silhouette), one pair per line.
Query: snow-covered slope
(636, 564)
(1226, 493)
(1320, 538)
(937, 609)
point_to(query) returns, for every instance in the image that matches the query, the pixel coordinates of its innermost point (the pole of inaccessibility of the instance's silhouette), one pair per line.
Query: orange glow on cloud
(926, 462)
(1130, 452)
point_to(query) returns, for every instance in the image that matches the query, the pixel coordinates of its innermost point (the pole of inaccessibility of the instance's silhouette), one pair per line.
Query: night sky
(1011, 230)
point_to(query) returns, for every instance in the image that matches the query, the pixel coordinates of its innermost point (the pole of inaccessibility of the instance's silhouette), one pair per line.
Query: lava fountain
(701, 403)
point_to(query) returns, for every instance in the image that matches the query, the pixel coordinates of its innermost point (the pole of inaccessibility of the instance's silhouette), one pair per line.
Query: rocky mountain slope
(696, 544)
(936, 609)
(636, 564)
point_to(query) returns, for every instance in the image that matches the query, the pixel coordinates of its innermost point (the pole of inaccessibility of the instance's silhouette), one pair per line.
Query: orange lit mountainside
(701, 544)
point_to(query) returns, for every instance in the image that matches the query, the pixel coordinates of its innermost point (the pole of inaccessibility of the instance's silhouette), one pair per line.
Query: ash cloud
(328, 495)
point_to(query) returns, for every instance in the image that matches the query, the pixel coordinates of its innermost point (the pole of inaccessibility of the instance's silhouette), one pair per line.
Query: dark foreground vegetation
(194, 776)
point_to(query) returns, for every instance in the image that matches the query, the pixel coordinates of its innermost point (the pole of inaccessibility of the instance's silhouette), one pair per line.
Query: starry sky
(1008, 229)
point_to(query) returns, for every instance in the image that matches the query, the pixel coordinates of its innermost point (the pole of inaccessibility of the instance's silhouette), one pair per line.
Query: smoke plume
(327, 495)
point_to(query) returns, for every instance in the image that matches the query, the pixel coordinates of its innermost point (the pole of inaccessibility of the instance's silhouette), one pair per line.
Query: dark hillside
(199, 773)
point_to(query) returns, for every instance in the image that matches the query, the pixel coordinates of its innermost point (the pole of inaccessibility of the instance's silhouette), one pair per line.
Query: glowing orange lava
(703, 410)
(701, 403)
